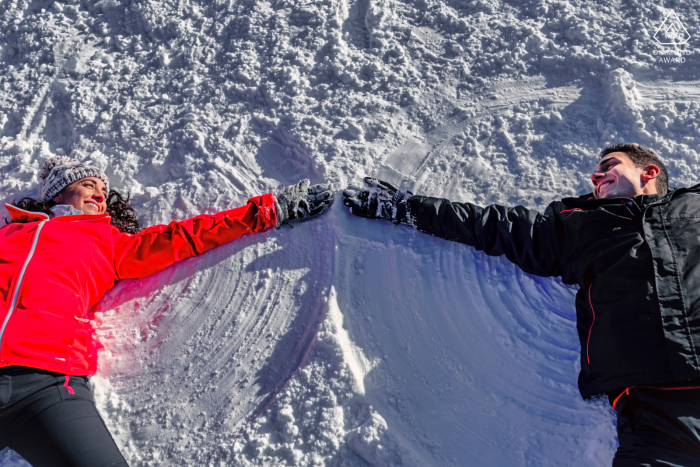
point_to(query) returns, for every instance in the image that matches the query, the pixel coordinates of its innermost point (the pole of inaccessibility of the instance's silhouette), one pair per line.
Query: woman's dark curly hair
(120, 210)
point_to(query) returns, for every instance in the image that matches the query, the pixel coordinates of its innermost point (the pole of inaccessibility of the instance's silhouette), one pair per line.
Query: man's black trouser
(658, 426)
(51, 420)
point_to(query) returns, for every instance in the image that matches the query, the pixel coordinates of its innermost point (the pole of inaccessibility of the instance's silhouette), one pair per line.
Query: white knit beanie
(60, 171)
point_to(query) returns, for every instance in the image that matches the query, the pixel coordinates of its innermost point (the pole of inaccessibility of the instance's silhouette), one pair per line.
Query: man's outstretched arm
(527, 238)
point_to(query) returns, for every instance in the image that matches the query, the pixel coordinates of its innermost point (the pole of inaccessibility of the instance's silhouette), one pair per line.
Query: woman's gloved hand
(377, 200)
(301, 202)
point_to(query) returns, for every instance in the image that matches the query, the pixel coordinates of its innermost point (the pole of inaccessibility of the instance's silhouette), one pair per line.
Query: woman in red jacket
(58, 257)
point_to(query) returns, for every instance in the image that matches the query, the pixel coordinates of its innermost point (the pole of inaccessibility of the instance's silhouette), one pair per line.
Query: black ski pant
(658, 426)
(51, 420)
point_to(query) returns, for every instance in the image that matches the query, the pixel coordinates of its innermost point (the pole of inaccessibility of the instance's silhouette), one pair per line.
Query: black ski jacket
(637, 262)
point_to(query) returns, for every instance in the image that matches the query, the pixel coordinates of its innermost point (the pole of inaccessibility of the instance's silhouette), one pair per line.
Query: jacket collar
(588, 201)
(20, 215)
(62, 215)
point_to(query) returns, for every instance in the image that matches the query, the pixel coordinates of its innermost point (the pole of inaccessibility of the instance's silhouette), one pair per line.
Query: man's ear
(650, 173)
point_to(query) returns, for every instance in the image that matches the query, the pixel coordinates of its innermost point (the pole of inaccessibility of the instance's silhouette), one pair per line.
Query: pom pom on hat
(60, 171)
(52, 162)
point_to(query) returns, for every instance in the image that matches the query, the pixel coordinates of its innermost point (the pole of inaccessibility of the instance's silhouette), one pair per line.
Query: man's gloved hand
(377, 200)
(301, 202)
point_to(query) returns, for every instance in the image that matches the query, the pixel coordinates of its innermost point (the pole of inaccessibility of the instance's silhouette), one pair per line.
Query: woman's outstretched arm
(157, 247)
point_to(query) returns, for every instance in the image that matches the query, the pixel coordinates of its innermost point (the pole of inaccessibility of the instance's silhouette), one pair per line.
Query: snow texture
(344, 341)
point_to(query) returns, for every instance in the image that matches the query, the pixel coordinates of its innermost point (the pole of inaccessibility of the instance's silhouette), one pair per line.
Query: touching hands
(377, 200)
(301, 202)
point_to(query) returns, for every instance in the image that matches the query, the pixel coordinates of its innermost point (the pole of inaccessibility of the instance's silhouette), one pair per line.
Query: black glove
(378, 200)
(301, 202)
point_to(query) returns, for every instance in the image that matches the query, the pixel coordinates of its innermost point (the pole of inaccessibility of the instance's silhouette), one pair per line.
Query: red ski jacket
(53, 271)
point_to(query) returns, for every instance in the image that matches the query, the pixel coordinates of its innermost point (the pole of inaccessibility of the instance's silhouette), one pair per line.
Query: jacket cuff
(267, 210)
(279, 211)
(403, 211)
(414, 207)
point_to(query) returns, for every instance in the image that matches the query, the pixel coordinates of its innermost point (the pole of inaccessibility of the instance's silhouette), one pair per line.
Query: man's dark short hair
(641, 157)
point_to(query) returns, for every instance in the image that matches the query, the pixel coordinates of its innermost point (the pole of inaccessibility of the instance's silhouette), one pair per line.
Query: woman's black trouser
(51, 420)
(658, 427)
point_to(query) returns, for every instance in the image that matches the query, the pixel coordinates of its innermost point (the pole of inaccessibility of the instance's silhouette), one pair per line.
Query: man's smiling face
(616, 176)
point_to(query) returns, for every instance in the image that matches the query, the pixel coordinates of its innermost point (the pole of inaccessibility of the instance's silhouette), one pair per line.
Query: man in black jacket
(633, 247)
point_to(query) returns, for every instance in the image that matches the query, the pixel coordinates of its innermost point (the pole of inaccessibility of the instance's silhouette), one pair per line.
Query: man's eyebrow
(607, 161)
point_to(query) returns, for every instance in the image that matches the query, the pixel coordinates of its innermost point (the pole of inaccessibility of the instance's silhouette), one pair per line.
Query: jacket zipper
(590, 331)
(18, 286)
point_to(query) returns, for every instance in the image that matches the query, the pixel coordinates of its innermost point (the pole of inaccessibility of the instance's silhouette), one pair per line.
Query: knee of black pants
(70, 433)
(658, 427)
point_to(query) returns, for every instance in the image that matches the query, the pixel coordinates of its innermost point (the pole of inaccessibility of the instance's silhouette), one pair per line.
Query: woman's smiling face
(88, 194)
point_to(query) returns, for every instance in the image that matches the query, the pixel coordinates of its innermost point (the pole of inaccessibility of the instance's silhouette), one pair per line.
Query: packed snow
(344, 341)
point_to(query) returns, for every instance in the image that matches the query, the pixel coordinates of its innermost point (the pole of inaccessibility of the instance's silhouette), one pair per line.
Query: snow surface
(343, 341)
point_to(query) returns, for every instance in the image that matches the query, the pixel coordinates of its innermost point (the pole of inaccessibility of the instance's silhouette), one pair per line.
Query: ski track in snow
(344, 341)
